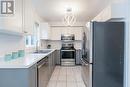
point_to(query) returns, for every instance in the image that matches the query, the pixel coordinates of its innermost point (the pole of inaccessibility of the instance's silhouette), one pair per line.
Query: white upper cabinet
(28, 17)
(13, 22)
(78, 33)
(56, 32)
(115, 10)
(45, 31)
(22, 21)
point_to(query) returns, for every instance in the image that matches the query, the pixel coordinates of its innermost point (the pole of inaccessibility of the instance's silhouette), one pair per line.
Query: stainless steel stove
(68, 51)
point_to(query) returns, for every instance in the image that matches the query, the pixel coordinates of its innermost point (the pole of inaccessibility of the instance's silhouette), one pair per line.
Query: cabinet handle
(39, 66)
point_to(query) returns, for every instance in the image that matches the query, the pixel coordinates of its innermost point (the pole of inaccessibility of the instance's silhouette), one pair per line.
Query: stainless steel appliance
(104, 56)
(68, 51)
(43, 72)
(67, 37)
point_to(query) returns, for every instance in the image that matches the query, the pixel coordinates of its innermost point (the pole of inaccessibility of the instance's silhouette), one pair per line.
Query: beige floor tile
(79, 78)
(66, 77)
(70, 72)
(62, 78)
(81, 84)
(54, 78)
(61, 84)
(56, 72)
(52, 84)
(71, 84)
(71, 78)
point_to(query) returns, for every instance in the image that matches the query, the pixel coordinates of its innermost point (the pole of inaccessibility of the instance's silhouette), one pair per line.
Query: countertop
(24, 62)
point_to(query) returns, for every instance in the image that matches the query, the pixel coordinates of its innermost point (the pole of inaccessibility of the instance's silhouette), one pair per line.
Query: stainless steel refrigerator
(103, 58)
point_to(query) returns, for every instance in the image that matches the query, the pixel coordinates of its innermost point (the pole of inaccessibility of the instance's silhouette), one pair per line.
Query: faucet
(37, 48)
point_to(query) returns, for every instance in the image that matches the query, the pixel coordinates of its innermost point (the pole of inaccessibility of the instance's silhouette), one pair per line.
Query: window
(33, 40)
(28, 40)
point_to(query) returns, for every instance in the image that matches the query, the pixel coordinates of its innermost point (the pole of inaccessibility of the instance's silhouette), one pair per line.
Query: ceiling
(54, 10)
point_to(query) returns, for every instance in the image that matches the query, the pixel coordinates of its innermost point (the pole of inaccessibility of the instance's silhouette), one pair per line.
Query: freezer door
(108, 54)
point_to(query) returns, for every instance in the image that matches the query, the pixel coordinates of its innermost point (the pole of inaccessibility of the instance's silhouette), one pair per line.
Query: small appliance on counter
(68, 52)
(48, 46)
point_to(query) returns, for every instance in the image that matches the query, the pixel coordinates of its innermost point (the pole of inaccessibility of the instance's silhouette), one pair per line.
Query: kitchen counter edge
(23, 65)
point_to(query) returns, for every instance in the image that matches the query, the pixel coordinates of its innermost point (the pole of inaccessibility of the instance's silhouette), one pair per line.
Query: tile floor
(66, 77)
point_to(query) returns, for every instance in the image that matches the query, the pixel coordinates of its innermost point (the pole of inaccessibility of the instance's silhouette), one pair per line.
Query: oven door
(68, 54)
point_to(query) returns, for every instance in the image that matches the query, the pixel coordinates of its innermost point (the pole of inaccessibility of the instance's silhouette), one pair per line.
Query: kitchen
(33, 38)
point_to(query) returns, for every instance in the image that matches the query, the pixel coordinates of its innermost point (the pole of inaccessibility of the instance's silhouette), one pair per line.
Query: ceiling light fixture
(69, 18)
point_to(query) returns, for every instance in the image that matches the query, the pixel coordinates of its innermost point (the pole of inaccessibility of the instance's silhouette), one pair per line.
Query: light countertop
(23, 62)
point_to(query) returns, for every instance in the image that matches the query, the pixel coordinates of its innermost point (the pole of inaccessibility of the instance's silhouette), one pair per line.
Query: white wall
(127, 45)
(9, 43)
(57, 44)
(126, 14)
(43, 44)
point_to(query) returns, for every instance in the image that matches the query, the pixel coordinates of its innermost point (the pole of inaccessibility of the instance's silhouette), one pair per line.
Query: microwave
(67, 37)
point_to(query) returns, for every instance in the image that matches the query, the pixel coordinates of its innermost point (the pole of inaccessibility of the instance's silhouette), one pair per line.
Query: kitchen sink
(42, 51)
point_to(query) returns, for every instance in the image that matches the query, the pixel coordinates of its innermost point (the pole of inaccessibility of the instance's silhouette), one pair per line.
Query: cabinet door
(78, 32)
(115, 10)
(56, 33)
(57, 59)
(44, 31)
(54, 56)
(78, 57)
(118, 10)
(66, 30)
(50, 65)
(33, 76)
(13, 22)
(28, 17)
